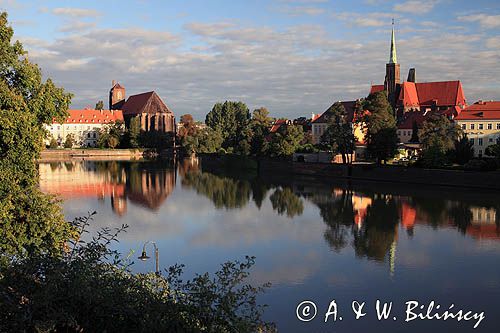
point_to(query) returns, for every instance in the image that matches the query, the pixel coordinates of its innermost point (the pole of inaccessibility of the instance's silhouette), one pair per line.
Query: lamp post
(145, 257)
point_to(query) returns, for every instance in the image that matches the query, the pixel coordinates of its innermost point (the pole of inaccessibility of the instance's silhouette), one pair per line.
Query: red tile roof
(278, 123)
(481, 111)
(445, 93)
(408, 95)
(148, 102)
(376, 88)
(415, 116)
(93, 116)
(348, 106)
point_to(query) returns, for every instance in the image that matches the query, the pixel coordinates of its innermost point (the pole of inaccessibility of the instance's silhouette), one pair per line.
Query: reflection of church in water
(123, 183)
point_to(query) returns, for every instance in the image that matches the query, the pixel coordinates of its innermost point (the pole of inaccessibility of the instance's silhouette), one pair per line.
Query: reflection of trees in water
(223, 192)
(232, 193)
(339, 218)
(374, 240)
(284, 201)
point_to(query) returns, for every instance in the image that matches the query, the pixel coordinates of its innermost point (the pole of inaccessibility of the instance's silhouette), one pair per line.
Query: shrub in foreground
(90, 288)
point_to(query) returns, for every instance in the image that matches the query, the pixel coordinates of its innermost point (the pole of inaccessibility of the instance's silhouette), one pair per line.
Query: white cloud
(415, 6)
(292, 71)
(75, 12)
(366, 20)
(484, 20)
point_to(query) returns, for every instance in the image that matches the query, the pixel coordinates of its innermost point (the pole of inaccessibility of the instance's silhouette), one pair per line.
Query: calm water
(313, 240)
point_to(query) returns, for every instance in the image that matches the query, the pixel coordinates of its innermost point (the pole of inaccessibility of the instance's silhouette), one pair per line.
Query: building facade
(481, 122)
(83, 125)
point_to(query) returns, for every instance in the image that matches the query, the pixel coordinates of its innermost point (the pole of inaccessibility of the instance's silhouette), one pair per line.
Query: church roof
(148, 102)
(442, 93)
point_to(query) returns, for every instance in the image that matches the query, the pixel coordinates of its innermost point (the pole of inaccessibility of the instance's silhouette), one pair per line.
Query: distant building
(320, 123)
(84, 125)
(481, 122)
(153, 113)
(445, 97)
(276, 125)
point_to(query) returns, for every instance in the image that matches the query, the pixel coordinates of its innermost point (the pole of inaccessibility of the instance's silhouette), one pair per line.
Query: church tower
(116, 96)
(392, 73)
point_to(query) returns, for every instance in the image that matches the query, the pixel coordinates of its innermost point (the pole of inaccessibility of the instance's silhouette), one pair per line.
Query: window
(471, 126)
(471, 140)
(464, 126)
(88, 135)
(480, 141)
(490, 126)
(480, 126)
(93, 135)
(498, 126)
(490, 140)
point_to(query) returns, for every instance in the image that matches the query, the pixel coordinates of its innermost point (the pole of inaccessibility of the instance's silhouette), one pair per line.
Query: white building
(481, 122)
(84, 125)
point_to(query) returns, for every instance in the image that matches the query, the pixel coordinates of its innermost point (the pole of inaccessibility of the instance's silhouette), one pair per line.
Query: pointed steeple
(393, 58)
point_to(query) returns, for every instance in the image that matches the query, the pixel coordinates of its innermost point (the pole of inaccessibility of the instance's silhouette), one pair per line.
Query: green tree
(99, 105)
(111, 136)
(70, 141)
(339, 135)
(260, 125)
(284, 201)
(53, 143)
(493, 151)
(464, 150)
(134, 132)
(286, 140)
(414, 134)
(381, 136)
(229, 119)
(29, 219)
(438, 136)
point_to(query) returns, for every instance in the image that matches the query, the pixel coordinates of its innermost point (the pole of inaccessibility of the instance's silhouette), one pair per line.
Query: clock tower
(116, 96)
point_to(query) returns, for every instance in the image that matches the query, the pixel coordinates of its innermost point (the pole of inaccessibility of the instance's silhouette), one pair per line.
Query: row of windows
(69, 127)
(480, 141)
(481, 126)
(405, 133)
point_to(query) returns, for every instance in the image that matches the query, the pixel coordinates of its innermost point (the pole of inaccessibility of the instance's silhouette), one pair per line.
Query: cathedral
(407, 97)
(148, 107)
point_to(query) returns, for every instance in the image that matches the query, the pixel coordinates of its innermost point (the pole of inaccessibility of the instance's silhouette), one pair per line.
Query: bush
(53, 143)
(90, 288)
(481, 165)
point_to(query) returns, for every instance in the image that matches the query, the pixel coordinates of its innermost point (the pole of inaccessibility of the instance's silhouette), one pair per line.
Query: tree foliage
(229, 119)
(286, 140)
(339, 135)
(90, 288)
(70, 141)
(438, 136)
(381, 136)
(29, 219)
(99, 105)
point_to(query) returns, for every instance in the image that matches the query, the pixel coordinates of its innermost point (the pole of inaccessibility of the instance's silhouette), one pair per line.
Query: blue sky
(294, 57)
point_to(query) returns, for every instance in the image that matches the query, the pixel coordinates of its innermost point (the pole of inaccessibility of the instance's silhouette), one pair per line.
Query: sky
(295, 57)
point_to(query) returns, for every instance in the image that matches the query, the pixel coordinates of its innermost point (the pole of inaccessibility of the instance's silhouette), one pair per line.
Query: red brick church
(444, 97)
(153, 113)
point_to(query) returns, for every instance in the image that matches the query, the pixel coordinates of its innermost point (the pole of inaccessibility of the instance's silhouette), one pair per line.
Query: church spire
(393, 58)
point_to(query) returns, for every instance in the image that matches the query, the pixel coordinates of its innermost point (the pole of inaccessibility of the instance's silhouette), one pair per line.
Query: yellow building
(481, 122)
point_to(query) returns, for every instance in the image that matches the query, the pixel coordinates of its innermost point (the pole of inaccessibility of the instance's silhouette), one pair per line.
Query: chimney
(113, 83)
(412, 76)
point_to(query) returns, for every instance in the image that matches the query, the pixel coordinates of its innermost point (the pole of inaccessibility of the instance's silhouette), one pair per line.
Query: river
(314, 240)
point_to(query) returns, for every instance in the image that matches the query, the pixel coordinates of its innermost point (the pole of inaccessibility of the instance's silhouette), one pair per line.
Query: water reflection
(313, 239)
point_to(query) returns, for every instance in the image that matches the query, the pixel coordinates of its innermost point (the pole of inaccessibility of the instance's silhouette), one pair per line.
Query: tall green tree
(229, 119)
(438, 136)
(134, 132)
(464, 150)
(381, 136)
(339, 135)
(29, 219)
(286, 140)
(414, 134)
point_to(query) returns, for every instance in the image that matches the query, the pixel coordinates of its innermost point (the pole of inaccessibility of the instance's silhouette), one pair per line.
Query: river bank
(50, 155)
(361, 172)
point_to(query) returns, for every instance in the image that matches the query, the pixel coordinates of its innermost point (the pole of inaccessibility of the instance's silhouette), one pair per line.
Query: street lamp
(145, 257)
